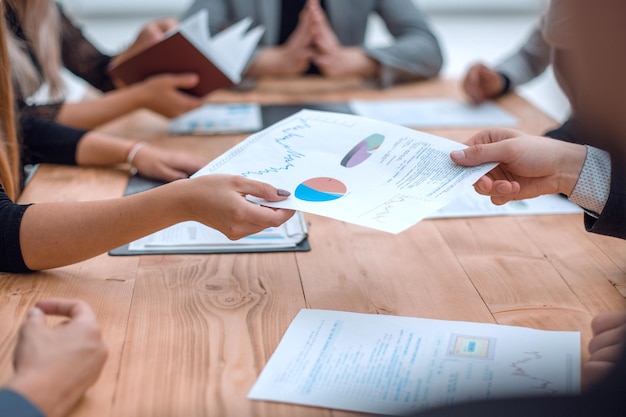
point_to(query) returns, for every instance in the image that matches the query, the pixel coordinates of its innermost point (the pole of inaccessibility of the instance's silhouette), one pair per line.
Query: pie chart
(320, 189)
(362, 150)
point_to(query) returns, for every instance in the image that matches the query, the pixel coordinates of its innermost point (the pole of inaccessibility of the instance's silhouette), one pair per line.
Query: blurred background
(469, 31)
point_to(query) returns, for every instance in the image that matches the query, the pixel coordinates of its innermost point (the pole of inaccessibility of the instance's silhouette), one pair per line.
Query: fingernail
(282, 193)
(458, 155)
(35, 311)
(502, 189)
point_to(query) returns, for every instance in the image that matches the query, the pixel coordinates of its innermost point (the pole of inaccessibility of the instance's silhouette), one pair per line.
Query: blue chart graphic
(320, 189)
(362, 150)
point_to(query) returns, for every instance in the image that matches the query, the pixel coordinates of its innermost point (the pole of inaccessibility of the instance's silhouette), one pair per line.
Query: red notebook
(219, 61)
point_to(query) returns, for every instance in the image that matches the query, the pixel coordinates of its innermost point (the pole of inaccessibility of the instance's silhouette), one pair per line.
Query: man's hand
(529, 166)
(54, 366)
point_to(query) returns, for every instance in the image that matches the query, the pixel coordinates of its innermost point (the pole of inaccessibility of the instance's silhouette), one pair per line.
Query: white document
(230, 49)
(219, 118)
(196, 236)
(352, 168)
(399, 365)
(432, 113)
(472, 204)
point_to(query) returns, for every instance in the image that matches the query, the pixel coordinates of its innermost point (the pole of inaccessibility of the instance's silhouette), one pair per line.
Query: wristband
(507, 83)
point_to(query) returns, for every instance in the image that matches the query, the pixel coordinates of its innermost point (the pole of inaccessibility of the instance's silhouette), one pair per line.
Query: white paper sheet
(399, 365)
(196, 236)
(432, 113)
(472, 204)
(352, 168)
(219, 118)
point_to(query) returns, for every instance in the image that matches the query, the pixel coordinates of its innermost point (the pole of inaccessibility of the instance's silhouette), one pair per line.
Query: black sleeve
(48, 141)
(82, 58)
(11, 214)
(612, 220)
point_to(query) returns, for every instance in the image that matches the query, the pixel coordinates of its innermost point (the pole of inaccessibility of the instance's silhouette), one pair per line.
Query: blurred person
(327, 37)
(43, 40)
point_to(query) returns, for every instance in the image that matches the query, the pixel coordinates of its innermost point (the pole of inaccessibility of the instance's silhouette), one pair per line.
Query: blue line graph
(288, 133)
(284, 133)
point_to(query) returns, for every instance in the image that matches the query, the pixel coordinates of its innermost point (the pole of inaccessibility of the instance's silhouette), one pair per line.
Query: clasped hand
(313, 42)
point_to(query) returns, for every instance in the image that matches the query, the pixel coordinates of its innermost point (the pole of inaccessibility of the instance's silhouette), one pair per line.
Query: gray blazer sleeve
(530, 61)
(415, 52)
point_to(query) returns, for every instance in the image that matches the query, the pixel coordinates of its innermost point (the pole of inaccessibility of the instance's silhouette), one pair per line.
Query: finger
(185, 80)
(607, 321)
(263, 190)
(170, 174)
(36, 317)
(608, 353)
(167, 24)
(607, 338)
(594, 372)
(266, 216)
(482, 153)
(77, 310)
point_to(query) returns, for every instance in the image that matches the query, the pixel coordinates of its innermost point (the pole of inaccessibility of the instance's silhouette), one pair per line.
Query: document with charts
(352, 168)
(400, 365)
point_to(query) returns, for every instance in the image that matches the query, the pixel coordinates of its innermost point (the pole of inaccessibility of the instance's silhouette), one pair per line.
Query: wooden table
(188, 335)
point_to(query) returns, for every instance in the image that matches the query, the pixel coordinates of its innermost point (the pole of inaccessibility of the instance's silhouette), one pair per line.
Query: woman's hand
(162, 94)
(219, 201)
(165, 165)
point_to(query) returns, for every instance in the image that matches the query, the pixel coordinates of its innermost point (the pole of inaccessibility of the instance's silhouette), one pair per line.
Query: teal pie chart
(320, 189)
(363, 150)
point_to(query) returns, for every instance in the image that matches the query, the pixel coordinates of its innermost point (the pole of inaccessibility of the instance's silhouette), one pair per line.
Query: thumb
(187, 80)
(479, 154)
(36, 317)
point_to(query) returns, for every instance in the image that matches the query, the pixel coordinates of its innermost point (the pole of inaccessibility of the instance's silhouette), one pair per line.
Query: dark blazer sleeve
(14, 405)
(612, 220)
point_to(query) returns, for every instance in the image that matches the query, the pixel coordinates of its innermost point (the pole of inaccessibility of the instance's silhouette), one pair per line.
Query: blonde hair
(41, 26)
(9, 149)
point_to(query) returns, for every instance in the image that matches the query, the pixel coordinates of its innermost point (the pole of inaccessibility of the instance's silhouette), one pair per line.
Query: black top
(42, 141)
(11, 214)
(78, 55)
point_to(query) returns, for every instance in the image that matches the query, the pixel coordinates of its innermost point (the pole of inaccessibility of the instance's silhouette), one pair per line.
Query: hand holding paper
(352, 168)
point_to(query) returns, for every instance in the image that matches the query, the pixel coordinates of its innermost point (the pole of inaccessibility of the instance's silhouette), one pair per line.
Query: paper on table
(430, 113)
(472, 204)
(352, 168)
(219, 118)
(196, 236)
(400, 365)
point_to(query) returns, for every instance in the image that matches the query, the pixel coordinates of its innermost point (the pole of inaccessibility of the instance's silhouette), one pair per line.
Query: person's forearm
(57, 234)
(89, 114)
(97, 148)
